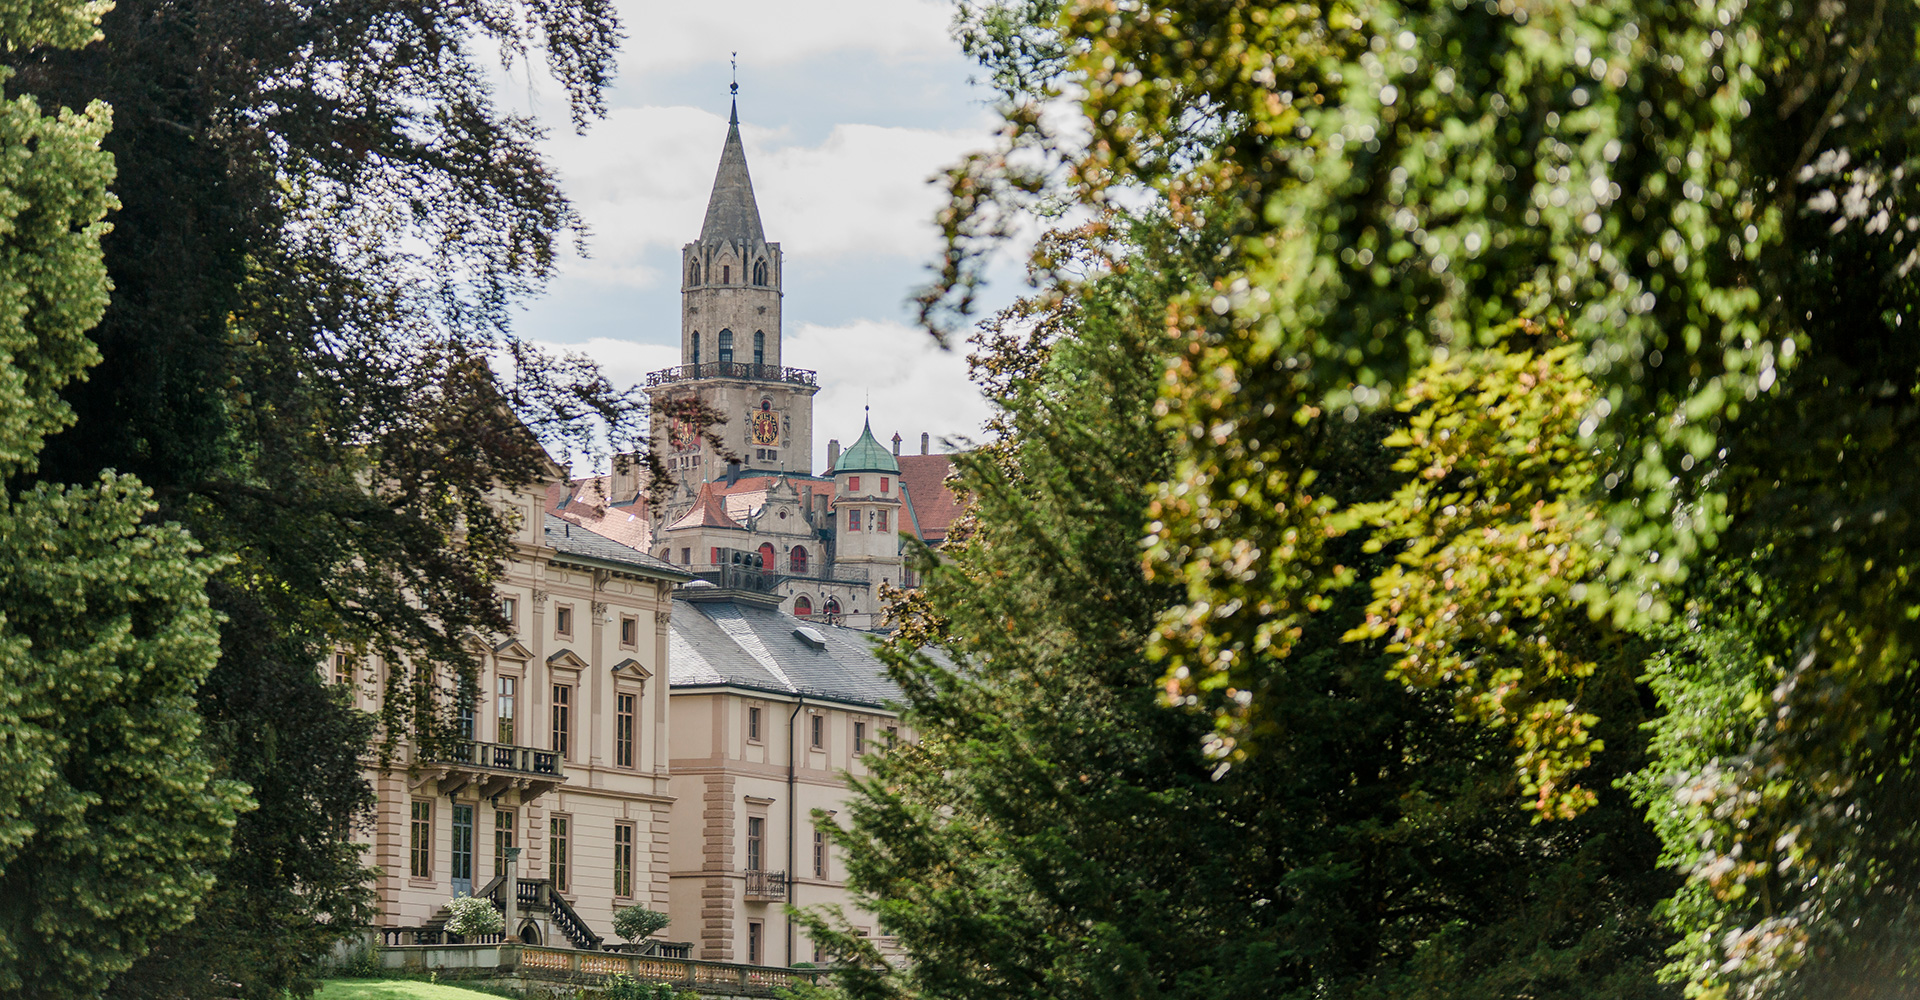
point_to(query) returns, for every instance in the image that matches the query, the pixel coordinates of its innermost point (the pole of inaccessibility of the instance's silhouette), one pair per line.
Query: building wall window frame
(563, 620)
(629, 632)
(503, 831)
(803, 607)
(510, 610)
(819, 853)
(859, 738)
(817, 731)
(563, 720)
(725, 351)
(886, 484)
(420, 839)
(342, 668)
(756, 935)
(753, 723)
(506, 704)
(853, 484)
(623, 860)
(760, 336)
(625, 713)
(560, 847)
(853, 519)
(882, 519)
(797, 560)
(756, 843)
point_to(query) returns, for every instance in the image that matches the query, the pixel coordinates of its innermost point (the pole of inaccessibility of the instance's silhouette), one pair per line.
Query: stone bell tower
(730, 344)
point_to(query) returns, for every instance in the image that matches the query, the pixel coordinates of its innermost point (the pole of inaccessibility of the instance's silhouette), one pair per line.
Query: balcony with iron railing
(743, 371)
(766, 887)
(493, 766)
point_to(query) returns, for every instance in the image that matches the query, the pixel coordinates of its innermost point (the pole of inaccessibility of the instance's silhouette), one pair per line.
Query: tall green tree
(1713, 202)
(323, 222)
(111, 819)
(1056, 831)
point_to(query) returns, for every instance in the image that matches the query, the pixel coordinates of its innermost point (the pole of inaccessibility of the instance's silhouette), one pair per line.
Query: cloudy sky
(847, 108)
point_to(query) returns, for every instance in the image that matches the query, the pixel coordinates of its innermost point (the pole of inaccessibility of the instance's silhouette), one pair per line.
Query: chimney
(925, 442)
(896, 444)
(833, 454)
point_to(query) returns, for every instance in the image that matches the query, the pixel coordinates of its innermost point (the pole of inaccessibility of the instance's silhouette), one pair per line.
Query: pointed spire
(733, 215)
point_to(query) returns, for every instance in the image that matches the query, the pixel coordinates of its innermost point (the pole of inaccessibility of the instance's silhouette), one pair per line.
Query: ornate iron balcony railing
(768, 887)
(745, 371)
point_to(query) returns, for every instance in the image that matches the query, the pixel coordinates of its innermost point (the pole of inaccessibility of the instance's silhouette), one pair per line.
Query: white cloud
(642, 177)
(674, 37)
(912, 385)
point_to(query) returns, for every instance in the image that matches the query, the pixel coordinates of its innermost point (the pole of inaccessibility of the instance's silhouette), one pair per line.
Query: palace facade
(683, 686)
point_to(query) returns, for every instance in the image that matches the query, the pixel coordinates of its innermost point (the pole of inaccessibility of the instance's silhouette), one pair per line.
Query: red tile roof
(924, 478)
(709, 511)
(584, 502)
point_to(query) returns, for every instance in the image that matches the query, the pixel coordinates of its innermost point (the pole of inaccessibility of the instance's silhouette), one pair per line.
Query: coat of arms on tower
(766, 426)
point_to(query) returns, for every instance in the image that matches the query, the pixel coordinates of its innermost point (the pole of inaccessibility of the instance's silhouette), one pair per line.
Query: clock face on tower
(766, 424)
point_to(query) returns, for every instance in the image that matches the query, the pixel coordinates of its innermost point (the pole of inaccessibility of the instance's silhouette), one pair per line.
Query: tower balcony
(742, 371)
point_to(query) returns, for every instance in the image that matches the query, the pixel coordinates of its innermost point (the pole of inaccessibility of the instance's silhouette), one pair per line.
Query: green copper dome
(867, 455)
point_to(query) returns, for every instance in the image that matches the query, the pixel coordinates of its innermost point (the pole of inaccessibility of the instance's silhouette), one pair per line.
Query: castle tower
(730, 344)
(867, 509)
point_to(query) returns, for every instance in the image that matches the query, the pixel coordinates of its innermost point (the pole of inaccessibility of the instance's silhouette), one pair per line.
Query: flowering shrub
(471, 917)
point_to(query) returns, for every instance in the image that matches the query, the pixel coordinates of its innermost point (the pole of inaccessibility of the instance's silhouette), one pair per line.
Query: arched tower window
(696, 348)
(760, 272)
(693, 273)
(759, 347)
(802, 606)
(798, 560)
(726, 347)
(767, 557)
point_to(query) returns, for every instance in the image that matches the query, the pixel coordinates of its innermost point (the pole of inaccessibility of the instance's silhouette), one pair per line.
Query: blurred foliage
(323, 223)
(1709, 205)
(111, 816)
(1053, 831)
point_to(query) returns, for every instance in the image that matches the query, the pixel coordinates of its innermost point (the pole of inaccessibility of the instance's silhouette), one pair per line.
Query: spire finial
(735, 63)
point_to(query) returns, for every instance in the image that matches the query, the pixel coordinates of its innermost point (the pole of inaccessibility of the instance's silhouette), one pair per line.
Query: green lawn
(394, 989)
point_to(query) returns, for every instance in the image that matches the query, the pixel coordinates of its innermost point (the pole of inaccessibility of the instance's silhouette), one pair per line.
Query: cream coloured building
(682, 686)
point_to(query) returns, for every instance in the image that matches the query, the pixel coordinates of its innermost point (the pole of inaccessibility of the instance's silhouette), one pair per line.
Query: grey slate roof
(712, 643)
(571, 539)
(732, 214)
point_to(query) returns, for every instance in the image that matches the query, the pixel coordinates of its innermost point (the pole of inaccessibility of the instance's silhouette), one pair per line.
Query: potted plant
(636, 923)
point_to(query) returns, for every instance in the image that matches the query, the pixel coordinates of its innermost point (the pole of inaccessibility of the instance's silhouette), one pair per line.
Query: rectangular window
(885, 484)
(462, 853)
(342, 668)
(466, 717)
(859, 738)
(753, 725)
(713, 556)
(883, 520)
(893, 733)
(420, 841)
(819, 723)
(853, 520)
(558, 841)
(686, 557)
(562, 719)
(629, 631)
(623, 730)
(753, 942)
(510, 610)
(623, 860)
(563, 621)
(502, 839)
(756, 842)
(853, 482)
(506, 688)
(819, 854)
